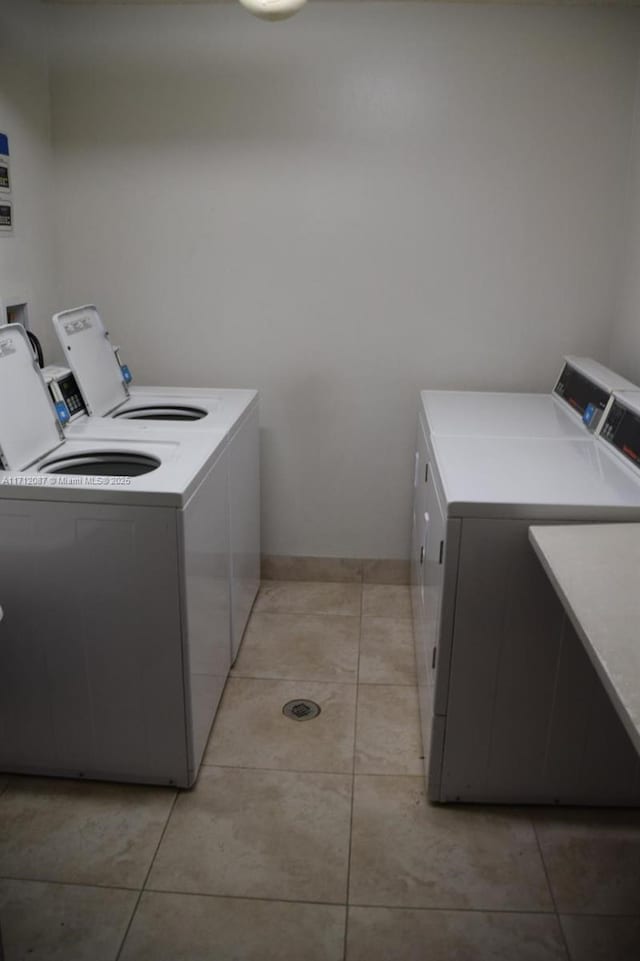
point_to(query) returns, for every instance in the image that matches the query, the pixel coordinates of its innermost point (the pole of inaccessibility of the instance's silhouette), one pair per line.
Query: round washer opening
(102, 464)
(162, 412)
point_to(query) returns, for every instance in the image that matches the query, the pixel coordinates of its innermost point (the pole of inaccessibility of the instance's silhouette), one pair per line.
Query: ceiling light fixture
(273, 9)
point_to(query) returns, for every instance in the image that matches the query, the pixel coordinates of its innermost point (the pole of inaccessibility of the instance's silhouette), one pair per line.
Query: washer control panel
(65, 393)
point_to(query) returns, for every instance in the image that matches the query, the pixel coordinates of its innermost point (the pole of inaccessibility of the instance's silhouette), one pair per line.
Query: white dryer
(114, 647)
(97, 386)
(579, 400)
(511, 708)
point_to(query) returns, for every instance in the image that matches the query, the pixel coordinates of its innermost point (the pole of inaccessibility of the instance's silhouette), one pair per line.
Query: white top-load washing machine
(96, 386)
(511, 708)
(114, 647)
(577, 403)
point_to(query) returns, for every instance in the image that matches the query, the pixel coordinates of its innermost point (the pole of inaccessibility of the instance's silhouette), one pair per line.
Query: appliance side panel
(525, 682)
(27, 701)
(434, 566)
(91, 641)
(505, 647)
(423, 612)
(527, 719)
(204, 578)
(591, 759)
(244, 524)
(451, 562)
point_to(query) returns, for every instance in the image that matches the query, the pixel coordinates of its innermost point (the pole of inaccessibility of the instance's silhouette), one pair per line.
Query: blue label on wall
(4, 145)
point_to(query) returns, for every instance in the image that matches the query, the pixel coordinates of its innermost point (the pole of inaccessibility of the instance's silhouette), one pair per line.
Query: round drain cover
(301, 710)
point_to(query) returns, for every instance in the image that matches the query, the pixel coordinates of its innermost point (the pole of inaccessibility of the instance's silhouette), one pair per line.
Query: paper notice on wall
(6, 207)
(6, 216)
(5, 181)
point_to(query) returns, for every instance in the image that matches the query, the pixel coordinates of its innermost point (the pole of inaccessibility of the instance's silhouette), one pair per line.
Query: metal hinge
(441, 552)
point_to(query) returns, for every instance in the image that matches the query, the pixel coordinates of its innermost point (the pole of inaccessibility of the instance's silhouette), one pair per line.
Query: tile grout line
(146, 878)
(292, 680)
(280, 770)
(68, 884)
(550, 886)
(330, 904)
(449, 909)
(292, 612)
(313, 680)
(353, 780)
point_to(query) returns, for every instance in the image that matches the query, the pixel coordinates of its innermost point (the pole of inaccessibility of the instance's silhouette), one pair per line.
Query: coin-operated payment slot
(65, 393)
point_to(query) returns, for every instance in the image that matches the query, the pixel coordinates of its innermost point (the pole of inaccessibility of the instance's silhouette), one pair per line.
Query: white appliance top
(509, 414)
(183, 463)
(224, 410)
(538, 478)
(225, 407)
(89, 353)
(33, 445)
(462, 412)
(29, 426)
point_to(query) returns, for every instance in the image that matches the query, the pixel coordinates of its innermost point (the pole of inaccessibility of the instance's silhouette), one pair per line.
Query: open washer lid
(90, 355)
(29, 426)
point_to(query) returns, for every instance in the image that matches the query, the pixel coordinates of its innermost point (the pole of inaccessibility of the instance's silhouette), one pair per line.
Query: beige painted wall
(339, 210)
(625, 338)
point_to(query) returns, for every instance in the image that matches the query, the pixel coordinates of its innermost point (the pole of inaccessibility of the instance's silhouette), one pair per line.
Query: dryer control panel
(579, 391)
(65, 393)
(622, 430)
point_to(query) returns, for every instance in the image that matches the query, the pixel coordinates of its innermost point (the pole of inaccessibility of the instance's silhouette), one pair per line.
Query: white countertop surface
(595, 569)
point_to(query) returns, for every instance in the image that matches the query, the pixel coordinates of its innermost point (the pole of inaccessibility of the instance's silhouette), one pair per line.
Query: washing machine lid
(30, 428)
(89, 353)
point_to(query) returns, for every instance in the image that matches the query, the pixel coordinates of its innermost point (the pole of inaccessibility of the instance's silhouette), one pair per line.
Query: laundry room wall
(625, 336)
(26, 256)
(339, 210)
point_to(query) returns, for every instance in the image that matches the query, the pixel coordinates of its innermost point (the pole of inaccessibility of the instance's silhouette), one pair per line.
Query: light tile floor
(312, 839)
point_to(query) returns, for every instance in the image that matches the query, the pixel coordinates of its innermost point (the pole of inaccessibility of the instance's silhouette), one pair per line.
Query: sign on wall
(6, 207)
(6, 215)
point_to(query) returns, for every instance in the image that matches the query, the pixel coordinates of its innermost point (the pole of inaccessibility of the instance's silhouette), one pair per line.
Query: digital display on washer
(578, 391)
(622, 430)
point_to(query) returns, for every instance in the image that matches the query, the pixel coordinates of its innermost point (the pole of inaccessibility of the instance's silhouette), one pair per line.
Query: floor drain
(301, 710)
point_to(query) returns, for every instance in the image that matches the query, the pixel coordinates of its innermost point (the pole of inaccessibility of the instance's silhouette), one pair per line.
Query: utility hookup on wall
(15, 310)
